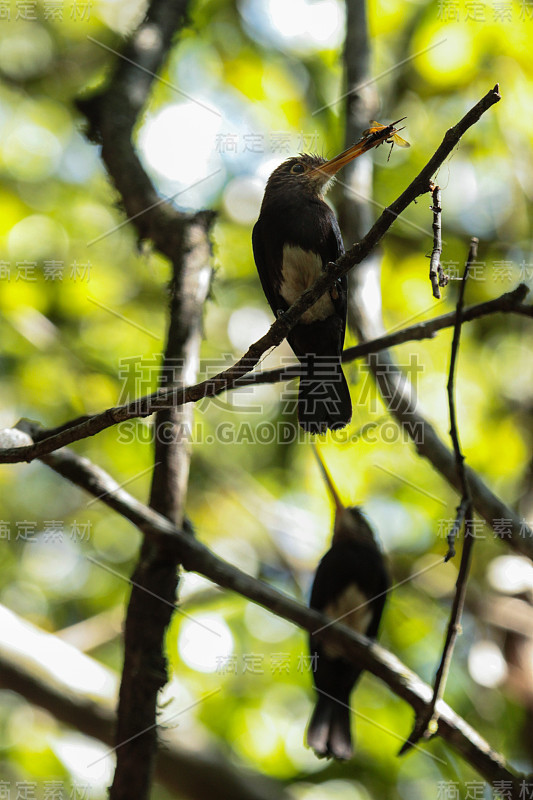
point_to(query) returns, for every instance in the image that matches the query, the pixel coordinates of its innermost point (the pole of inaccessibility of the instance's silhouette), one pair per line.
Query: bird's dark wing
(335, 243)
(268, 255)
(333, 249)
(311, 226)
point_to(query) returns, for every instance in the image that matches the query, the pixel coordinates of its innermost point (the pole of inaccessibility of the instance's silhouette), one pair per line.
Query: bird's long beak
(339, 507)
(334, 165)
(362, 146)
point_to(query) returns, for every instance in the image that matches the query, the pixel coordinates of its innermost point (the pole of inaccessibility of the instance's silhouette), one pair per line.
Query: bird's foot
(280, 313)
(336, 288)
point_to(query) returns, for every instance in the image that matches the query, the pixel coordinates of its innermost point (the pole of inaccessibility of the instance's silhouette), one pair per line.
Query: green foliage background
(70, 345)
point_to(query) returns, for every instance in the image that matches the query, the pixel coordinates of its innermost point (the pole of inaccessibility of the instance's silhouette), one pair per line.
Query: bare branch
(505, 303)
(182, 238)
(156, 574)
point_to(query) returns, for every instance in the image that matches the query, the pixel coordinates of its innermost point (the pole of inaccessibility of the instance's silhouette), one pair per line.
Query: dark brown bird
(296, 236)
(350, 586)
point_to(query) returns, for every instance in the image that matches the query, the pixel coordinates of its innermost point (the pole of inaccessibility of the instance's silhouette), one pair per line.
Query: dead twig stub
(436, 273)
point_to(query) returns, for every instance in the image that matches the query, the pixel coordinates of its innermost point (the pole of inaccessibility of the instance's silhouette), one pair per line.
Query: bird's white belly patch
(300, 270)
(350, 608)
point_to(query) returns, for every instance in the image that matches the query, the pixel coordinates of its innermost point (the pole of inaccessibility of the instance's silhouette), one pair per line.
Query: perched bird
(295, 238)
(350, 586)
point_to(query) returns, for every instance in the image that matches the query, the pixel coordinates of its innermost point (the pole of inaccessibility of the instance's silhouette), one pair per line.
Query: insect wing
(399, 141)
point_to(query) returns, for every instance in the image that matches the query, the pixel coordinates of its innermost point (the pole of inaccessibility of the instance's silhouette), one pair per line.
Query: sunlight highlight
(204, 646)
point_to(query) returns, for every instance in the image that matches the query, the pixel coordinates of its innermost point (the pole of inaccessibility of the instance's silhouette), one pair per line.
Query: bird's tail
(324, 400)
(328, 733)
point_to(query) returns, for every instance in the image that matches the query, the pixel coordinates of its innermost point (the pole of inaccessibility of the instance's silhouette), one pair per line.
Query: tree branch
(156, 574)
(228, 378)
(427, 725)
(505, 303)
(509, 302)
(196, 557)
(465, 506)
(112, 114)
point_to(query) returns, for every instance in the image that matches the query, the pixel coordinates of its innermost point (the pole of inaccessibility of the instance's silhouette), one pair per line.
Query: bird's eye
(297, 169)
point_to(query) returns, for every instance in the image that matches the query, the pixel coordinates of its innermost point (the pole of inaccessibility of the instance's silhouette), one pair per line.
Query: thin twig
(505, 303)
(459, 457)
(509, 302)
(427, 725)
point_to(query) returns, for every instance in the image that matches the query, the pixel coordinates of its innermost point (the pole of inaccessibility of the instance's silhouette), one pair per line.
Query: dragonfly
(376, 127)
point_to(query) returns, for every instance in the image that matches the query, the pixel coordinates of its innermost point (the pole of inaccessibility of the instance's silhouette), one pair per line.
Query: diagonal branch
(228, 378)
(196, 557)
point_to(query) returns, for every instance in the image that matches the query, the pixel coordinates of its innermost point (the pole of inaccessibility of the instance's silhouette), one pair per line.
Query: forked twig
(436, 273)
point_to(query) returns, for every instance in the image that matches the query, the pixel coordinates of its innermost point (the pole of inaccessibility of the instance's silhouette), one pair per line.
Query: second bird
(350, 586)
(294, 239)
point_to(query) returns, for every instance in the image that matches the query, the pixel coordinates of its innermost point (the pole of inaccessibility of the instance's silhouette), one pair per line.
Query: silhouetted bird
(350, 586)
(294, 239)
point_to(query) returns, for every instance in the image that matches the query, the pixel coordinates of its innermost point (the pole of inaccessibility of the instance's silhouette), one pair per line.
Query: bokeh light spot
(204, 642)
(486, 664)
